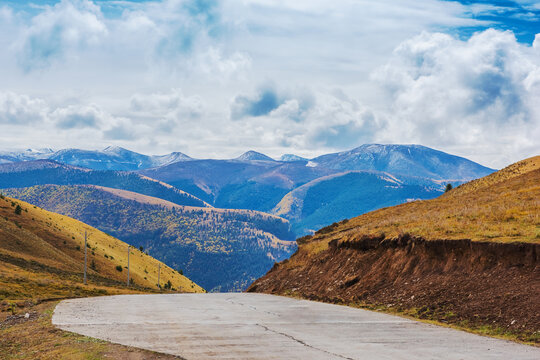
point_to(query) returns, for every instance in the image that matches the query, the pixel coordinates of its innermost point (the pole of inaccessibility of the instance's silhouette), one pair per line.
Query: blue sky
(520, 17)
(215, 78)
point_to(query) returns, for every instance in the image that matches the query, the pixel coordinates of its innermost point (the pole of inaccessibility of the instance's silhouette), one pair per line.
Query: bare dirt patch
(492, 288)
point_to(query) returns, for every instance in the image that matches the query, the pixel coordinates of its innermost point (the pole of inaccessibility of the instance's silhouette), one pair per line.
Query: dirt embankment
(476, 285)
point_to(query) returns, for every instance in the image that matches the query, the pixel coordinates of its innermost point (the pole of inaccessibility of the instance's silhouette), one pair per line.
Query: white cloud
(105, 75)
(477, 97)
(164, 103)
(70, 25)
(20, 110)
(76, 116)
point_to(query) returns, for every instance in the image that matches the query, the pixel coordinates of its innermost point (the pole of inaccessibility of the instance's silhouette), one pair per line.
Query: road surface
(256, 326)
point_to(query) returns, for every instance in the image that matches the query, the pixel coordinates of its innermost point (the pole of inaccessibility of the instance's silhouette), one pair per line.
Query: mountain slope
(340, 196)
(412, 160)
(39, 172)
(218, 248)
(255, 181)
(256, 185)
(42, 256)
(468, 257)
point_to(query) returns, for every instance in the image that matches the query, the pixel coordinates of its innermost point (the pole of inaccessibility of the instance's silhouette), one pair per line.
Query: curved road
(256, 326)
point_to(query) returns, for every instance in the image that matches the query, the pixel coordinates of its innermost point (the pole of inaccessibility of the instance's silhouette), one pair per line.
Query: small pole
(158, 274)
(128, 268)
(85, 249)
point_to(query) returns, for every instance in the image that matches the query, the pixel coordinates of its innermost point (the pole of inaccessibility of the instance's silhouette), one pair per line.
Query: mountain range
(110, 158)
(227, 203)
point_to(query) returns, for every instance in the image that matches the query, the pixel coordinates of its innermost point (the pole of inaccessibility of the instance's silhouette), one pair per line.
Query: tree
(448, 187)
(141, 248)
(18, 209)
(119, 268)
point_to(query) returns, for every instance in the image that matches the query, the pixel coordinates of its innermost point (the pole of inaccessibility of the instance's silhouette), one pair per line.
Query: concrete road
(257, 326)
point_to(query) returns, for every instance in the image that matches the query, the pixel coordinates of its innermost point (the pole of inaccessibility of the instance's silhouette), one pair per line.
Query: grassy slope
(44, 248)
(500, 207)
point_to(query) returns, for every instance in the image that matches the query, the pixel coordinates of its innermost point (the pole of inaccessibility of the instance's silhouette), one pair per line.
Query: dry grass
(502, 207)
(37, 338)
(54, 244)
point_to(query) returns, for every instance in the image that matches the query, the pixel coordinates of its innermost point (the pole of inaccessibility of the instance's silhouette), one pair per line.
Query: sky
(213, 79)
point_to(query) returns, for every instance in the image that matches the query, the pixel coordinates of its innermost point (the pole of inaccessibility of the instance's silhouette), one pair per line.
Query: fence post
(158, 275)
(128, 268)
(85, 256)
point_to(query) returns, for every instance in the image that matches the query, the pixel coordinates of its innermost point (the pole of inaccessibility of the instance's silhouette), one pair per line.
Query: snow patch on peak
(253, 155)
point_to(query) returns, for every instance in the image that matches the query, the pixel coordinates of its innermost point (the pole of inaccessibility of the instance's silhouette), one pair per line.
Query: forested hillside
(219, 249)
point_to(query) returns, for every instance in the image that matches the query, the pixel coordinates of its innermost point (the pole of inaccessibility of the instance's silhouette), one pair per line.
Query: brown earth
(487, 286)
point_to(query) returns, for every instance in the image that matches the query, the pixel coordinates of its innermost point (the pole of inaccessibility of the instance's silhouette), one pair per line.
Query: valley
(223, 250)
(238, 215)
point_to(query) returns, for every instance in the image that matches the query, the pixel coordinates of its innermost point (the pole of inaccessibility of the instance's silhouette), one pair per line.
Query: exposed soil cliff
(473, 284)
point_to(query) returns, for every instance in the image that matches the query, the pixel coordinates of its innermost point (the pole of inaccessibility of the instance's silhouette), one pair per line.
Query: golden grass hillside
(501, 207)
(42, 256)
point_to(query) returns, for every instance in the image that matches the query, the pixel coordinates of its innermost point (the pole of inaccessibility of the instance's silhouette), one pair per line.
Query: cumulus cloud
(121, 130)
(478, 96)
(260, 104)
(19, 109)
(269, 101)
(164, 111)
(68, 25)
(73, 116)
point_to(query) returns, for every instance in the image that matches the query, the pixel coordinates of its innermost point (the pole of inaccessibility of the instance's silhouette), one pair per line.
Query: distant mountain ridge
(409, 160)
(257, 182)
(110, 158)
(414, 160)
(41, 172)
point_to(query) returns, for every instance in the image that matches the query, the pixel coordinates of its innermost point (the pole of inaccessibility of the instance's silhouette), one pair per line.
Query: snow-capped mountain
(412, 160)
(291, 158)
(253, 155)
(110, 158)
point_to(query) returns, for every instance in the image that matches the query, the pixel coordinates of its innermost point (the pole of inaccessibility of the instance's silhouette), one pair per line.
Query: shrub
(93, 265)
(141, 248)
(18, 210)
(119, 268)
(448, 187)
(168, 285)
